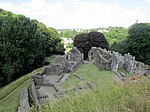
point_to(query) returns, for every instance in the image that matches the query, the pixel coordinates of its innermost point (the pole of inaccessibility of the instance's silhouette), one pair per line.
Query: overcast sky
(81, 13)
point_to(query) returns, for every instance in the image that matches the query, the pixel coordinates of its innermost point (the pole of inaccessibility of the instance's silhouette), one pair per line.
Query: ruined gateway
(48, 81)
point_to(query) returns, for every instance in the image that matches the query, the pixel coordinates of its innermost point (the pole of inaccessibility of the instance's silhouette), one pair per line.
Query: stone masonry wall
(24, 101)
(106, 60)
(100, 57)
(129, 63)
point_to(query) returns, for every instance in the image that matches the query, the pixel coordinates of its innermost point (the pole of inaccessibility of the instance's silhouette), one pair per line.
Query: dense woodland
(24, 44)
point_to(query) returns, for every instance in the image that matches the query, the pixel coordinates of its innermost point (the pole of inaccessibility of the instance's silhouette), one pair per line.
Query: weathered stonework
(58, 71)
(74, 55)
(100, 57)
(104, 59)
(128, 63)
(24, 101)
(34, 94)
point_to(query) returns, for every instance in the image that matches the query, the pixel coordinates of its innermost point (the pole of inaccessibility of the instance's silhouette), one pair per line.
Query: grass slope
(108, 97)
(9, 95)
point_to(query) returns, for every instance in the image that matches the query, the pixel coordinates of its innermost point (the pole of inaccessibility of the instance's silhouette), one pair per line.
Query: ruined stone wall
(74, 55)
(63, 63)
(100, 57)
(140, 68)
(34, 94)
(53, 69)
(75, 65)
(129, 63)
(106, 60)
(117, 61)
(24, 101)
(61, 66)
(92, 54)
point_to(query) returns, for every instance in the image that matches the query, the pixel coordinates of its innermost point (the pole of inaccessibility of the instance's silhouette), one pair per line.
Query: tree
(56, 41)
(52, 39)
(116, 34)
(20, 46)
(139, 41)
(23, 45)
(120, 46)
(84, 42)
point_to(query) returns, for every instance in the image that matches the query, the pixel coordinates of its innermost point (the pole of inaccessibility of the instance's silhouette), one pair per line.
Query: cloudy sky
(81, 13)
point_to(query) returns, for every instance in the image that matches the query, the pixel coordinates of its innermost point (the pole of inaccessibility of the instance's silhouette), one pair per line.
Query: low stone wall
(63, 78)
(140, 68)
(24, 101)
(75, 65)
(59, 91)
(34, 94)
(53, 69)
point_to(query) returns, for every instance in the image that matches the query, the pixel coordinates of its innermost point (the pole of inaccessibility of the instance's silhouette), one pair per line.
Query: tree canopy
(84, 42)
(116, 34)
(24, 43)
(139, 41)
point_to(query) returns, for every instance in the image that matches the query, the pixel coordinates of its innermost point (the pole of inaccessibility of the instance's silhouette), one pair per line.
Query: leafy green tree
(139, 41)
(69, 33)
(23, 45)
(116, 34)
(52, 39)
(120, 46)
(56, 41)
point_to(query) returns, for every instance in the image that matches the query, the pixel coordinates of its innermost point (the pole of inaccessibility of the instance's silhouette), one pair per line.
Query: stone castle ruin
(104, 59)
(45, 85)
(129, 63)
(101, 58)
(48, 81)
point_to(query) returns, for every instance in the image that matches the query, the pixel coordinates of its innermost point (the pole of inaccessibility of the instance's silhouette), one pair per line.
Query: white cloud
(7, 6)
(147, 1)
(77, 14)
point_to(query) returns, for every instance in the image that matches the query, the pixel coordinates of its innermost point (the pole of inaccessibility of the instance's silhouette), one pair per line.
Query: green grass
(9, 95)
(126, 73)
(90, 73)
(131, 97)
(107, 97)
